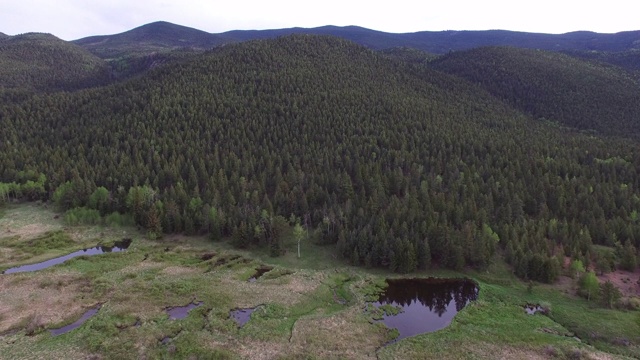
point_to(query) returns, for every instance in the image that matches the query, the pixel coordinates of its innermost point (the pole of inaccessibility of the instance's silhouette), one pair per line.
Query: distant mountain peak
(163, 27)
(149, 38)
(35, 36)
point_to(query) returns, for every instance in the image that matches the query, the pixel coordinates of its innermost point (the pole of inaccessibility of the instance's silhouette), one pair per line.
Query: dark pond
(532, 309)
(181, 312)
(85, 317)
(259, 272)
(97, 250)
(241, 316)
(426, 305)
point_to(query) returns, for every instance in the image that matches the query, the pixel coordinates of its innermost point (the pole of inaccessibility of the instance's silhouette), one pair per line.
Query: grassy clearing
(31, 233)
(308, 307)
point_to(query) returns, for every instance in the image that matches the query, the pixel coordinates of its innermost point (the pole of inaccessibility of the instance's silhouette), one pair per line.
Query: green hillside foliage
(409, 55)
(393, 165)
(163, 36)
(629, 59)
(148, 39)
(135, 64)
(442, 42)
(553, 87)
(42, 62)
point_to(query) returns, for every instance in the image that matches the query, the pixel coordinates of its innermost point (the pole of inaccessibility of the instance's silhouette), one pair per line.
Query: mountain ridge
(43, 62)
(545, 84)
(149, 38)
(438, 42)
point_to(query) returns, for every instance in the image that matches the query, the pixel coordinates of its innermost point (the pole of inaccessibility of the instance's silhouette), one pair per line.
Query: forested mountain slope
(159, 36)
(441, 42)
(409, 55)
(43, 62)
(629, 59)
(149, 45)
(554, 87)
(162, 36)
(398, 165)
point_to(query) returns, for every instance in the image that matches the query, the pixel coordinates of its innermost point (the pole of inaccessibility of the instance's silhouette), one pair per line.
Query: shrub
(117, 219)
(82, 216)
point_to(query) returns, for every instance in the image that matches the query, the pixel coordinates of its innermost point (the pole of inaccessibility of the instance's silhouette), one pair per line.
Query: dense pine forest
(395, 159)
(42, 62)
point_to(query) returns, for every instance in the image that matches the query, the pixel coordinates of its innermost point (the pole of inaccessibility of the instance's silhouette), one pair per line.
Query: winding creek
(96, 250)
(86, 316)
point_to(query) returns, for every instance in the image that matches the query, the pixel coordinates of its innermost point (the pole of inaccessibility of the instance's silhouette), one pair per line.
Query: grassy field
(297, 314)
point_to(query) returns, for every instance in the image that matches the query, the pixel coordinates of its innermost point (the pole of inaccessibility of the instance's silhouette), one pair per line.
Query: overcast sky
(73, 19)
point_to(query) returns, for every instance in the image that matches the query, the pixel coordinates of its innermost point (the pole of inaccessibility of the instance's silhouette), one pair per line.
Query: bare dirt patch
(566, 285)
(627, 282)
(40, 301)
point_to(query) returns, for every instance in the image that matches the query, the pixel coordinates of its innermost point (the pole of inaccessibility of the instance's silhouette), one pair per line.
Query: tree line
(394, 164)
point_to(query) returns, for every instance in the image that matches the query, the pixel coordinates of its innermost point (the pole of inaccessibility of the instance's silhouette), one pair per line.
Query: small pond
(425, 305)
(86, 316)
(241, 316)
(259, 272)
(181, 312)
(97, 250)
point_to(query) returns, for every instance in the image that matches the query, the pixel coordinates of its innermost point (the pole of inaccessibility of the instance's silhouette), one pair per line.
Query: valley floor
(297, 313)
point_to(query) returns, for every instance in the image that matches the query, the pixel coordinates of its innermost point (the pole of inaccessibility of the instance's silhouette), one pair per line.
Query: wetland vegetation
(296, 312)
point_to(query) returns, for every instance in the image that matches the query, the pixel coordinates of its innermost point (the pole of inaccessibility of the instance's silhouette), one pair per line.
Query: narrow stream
(65, 329)
(97, 250)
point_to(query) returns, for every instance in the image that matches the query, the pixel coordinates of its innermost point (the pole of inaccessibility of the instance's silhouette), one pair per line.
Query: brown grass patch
(28, 221)
(343, 335)
(27, 231)
(40, 301)
(261, 350)
(286, 290)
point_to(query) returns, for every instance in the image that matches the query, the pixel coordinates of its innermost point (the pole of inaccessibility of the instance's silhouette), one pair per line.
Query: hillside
(629, 59)
(147, 39)
(163, 36)
(554, 87)
(397, 165)
(441, 42)
(409, 55)
(135, 51)
(42, 62)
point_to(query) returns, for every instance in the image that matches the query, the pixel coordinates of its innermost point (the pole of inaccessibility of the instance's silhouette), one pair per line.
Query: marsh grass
(312, 306)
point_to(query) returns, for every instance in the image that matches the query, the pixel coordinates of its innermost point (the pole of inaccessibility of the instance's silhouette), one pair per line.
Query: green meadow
(310, 307)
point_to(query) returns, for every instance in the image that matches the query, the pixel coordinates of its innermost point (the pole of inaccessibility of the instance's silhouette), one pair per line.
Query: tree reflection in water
(427, 304)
